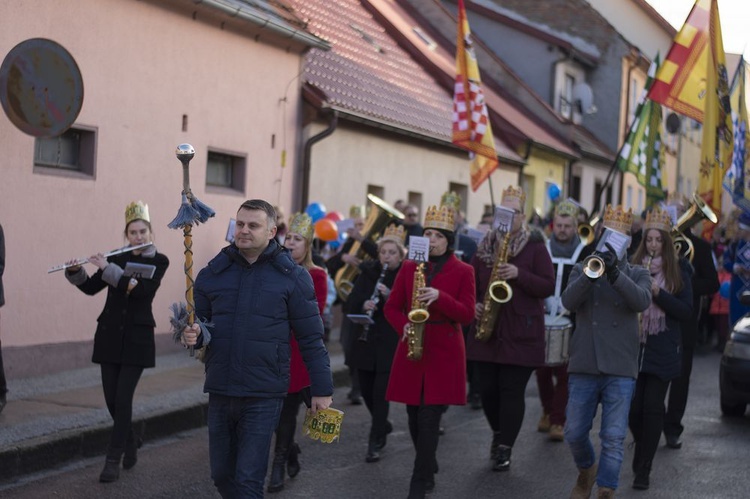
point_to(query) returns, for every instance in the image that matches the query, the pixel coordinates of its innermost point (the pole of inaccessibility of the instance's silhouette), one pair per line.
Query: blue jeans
(585, 392)
(239, 439)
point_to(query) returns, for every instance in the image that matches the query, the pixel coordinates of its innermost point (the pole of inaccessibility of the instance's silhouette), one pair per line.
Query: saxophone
(418, 315)
(498, 292)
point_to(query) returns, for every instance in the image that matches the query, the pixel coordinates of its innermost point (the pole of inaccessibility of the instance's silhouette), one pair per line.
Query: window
(225, 171)
(575, 187)
(566, 97)
(629, 197)
(376, 190)
(634, 97)
(73, 151)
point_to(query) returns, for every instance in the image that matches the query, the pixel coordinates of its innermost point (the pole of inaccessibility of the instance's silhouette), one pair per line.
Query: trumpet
(593, 266)
(81, 261)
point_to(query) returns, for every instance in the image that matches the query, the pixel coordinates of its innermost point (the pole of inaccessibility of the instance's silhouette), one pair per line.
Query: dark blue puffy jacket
(253, 308)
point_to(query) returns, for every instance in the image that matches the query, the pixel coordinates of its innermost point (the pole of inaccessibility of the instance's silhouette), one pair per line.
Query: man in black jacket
(705, 283)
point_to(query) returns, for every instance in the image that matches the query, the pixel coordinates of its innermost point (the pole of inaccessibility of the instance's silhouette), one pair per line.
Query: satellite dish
(41, 89)
(673, 123)
(583, 97)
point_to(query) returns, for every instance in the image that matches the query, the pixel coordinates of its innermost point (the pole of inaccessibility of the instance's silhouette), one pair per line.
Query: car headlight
(737, 350)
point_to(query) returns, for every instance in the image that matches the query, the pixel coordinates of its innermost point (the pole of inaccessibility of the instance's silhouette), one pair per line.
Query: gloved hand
(610, 264)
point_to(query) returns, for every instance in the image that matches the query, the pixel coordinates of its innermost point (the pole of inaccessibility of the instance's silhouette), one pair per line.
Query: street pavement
(711, 464)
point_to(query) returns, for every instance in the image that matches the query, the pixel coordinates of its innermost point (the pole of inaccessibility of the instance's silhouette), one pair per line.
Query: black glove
(610, 264)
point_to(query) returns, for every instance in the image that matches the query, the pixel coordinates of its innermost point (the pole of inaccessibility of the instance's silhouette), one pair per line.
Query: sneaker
(556, 433)
(544, 424)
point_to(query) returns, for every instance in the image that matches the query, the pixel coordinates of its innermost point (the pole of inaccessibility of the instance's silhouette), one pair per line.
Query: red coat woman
(298, 241)
(427, 385)
(298, 377)
(440, 376)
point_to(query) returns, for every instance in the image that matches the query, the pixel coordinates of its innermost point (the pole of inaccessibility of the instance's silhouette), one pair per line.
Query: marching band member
(124, 339)
(660, 357)
(373, 350)
(513, 346)
(298, 240)
(437, 378)
(564, 247)
(603, 362)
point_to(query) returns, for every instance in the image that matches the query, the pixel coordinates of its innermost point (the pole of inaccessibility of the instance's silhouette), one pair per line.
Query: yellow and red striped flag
(681, 81)
(471, 125)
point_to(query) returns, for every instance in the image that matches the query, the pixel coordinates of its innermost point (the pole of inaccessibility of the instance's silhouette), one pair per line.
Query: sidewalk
(54, 419)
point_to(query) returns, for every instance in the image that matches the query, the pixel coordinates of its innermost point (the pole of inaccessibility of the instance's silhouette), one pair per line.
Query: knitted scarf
(489, 247)
(653, 320)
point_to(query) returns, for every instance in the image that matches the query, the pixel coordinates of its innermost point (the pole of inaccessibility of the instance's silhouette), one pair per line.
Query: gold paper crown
(567, 208)
(357, 211)
(658, 219)
(439, 218)
(324, 425)
(451, 199)
(136, 211)
(301, 223)
(618, 219)
(514, 193)
(394, 233)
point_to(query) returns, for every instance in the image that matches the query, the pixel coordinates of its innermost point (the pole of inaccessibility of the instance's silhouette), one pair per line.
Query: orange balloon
(326, 230)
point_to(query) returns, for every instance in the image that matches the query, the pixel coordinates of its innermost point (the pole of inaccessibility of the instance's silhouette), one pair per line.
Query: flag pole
(492, 195)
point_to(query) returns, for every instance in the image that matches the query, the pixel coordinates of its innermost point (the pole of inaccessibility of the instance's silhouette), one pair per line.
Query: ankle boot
(502, 462)
(584, 483)
(495, 445)
(605, 493)
(641, 480)
(131, 452)
(373, 451)
(292, 463)
(111, 471)
(276, 483)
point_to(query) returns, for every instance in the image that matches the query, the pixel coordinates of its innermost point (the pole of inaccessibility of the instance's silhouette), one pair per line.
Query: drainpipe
(307, 156)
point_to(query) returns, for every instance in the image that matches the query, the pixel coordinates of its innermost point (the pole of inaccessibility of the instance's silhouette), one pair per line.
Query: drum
(556, 339)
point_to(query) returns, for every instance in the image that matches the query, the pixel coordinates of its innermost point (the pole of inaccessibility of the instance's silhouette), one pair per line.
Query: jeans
(239, 439)
(585, 393)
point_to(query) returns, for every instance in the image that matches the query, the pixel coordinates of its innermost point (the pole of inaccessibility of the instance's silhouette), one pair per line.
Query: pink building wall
(144, 66)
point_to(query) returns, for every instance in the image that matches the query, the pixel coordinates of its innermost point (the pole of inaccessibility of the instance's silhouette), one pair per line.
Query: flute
(81, 261)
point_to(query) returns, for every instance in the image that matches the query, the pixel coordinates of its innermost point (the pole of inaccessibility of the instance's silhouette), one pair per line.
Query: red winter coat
(441, 373)
(298, 376)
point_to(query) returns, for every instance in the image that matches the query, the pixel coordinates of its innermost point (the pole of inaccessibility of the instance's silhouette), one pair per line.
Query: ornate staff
(191, 211)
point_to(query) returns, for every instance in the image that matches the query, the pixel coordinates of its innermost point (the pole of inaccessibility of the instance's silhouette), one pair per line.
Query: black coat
(705, 283)
(377, 353)
(125, 331)
(662, 353)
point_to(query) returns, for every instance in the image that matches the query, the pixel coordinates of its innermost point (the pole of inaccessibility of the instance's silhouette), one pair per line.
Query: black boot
(131, 451)
(276, 483)
(373, 451)
(111, 471)
(641, 480)
(495, 445)
(502, 462)
(292, 463)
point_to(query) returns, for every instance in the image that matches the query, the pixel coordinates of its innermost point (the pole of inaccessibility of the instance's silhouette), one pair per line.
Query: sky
(734, 14)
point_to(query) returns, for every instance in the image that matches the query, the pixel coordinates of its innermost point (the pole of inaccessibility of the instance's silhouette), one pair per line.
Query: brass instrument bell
(697, 211)
(593, 267)
(586, 231)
